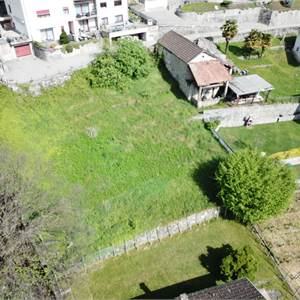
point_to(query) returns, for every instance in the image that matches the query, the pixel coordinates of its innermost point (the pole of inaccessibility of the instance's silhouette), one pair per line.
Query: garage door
(23, 50)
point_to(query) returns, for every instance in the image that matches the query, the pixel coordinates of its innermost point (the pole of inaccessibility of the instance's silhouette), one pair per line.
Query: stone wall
(155, 235)
(261, 114)
(219, 17)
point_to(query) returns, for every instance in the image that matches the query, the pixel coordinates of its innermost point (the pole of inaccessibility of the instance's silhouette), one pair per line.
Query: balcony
(88, 15)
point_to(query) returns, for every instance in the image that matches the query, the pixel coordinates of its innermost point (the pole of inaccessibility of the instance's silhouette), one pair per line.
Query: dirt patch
(282, 235)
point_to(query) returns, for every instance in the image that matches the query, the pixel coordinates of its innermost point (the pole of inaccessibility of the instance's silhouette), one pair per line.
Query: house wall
(296, 49)
(179, 70)
(111, 11)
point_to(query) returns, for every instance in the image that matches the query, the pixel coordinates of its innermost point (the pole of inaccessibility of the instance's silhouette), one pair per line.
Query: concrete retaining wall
(157, 234)
(219, 17)
(261, 114)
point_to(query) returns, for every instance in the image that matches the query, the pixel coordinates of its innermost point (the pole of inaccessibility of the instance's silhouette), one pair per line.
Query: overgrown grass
(169, 263)
(297, 170)
(277, 66)
(270, 138)
(134, 155)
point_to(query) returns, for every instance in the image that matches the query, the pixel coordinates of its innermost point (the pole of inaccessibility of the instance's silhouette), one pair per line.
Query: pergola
(248, 87)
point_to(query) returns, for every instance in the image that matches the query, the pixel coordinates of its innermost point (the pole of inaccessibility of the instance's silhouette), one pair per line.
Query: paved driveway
(26, 69)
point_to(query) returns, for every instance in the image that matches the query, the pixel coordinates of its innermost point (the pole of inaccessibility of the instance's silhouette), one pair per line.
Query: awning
(44, 12)
(249, 84)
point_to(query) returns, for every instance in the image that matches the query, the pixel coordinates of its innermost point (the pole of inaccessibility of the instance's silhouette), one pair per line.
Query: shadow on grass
(289, 43)
(174, 86)
(213, 259)
(238, 51)
(204, 176)
(175, 290)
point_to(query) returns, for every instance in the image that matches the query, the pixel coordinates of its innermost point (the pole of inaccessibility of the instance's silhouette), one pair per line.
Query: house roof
(249, 84)
(239, 290)
(211, 48)
(180, 46)
(209, 72)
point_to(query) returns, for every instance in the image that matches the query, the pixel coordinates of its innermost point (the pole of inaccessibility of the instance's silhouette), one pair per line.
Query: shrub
(211, 124)
(105, 73)
(226, 3)
(254, 187)
(238, 264)
(63, 39)
(133, 58)
(69, 48)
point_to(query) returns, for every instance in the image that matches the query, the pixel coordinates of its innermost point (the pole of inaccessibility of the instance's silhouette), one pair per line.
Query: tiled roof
(180, 46)
(209, 72)
(236, 290)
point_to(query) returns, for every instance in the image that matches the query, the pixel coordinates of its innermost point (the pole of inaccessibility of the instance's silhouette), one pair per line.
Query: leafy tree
(254, 187)
(63, 38)
(133, 58)
(238, 264)
(229, 31)
(265, 42)
(34, 235)
(106, 73)
(253, 41)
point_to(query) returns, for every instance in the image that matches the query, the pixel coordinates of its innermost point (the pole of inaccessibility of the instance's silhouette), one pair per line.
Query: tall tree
(265, 42)
(229, 31)
(34, 231)
(254, 187)
(253, 41)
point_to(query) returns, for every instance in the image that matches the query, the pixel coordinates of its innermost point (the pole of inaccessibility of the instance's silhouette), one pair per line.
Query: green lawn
(171, 262)
(297, 170)
(270, 138)
(277, 67)
(276, 5)
(202, 7)
(138, 171)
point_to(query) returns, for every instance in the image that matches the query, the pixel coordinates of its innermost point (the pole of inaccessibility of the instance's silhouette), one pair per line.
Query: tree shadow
(289, 43)
(204, 177)
(213, 259)
(175, 290)
(238, 51)
(174, 86)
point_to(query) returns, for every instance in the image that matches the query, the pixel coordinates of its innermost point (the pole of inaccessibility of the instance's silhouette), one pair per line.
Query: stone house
(201, 76)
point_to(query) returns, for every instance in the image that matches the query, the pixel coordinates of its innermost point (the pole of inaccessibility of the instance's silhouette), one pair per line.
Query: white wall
(111, 11)
(15, 10)
(154, 4)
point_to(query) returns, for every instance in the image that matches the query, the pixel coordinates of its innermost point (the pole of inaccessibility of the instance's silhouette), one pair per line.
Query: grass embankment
(277, 67)
(277, 5)
(169, 263)
(270, 138)
(202, 7)
(134, 155)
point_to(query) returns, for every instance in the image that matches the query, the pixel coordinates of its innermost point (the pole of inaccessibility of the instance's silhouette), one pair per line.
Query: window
(84, 25)
(82, 10)
(103, 4)
(118, 2)
(104, 21)
(119, 19)
(66, 10)
(47, 34)
(43, 13)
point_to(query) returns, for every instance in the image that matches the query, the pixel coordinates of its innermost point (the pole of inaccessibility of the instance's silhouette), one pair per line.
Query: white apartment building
(43, 21)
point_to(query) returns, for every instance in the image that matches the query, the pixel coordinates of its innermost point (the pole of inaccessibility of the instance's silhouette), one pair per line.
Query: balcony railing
(93, 13)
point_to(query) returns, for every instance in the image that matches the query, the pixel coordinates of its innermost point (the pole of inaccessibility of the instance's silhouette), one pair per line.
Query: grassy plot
(189, 257)
(270, 138)
(202, 7)
(277, 5)
(277, 66)
(297, 170)
(134, 155)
